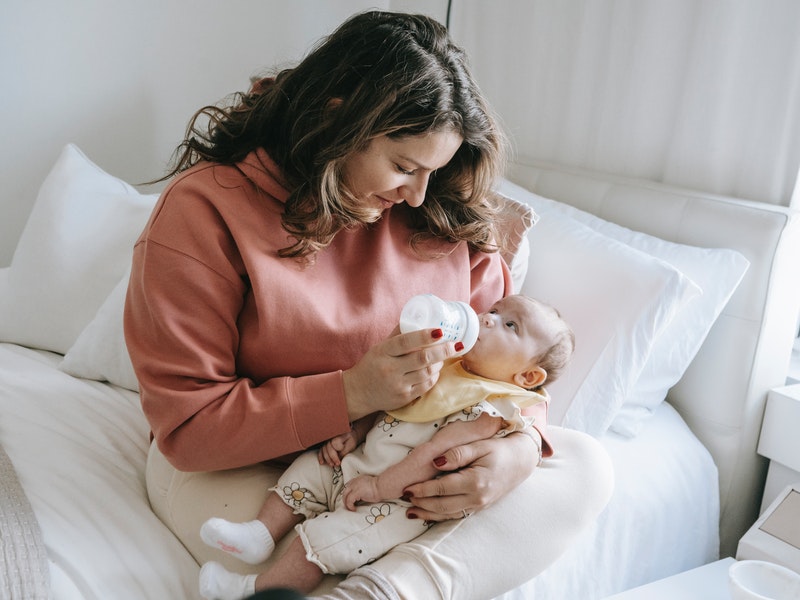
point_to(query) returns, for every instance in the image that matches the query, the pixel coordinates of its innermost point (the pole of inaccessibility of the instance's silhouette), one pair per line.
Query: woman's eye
(405, 171)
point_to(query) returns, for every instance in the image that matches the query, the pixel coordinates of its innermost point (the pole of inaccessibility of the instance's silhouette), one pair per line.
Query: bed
(679, 301)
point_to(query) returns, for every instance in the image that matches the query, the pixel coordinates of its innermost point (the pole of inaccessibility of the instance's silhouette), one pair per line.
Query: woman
(266, 288)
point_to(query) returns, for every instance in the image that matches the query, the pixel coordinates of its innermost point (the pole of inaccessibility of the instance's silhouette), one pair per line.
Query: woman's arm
(182, 333)
(418, 465)
(182, 321)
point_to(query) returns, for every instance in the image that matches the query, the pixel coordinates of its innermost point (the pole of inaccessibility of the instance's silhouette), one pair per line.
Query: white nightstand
(709, 582)
(779, 441)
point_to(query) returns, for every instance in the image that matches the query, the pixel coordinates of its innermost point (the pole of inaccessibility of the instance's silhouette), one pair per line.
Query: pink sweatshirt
(239, 353)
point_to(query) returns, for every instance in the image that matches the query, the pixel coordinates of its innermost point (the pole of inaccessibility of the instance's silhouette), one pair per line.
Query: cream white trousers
(480, 557)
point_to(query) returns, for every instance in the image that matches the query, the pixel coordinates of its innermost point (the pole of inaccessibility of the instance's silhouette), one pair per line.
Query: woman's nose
(414, 192)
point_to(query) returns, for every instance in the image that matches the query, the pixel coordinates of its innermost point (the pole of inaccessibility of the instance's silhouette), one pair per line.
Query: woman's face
(394, 170)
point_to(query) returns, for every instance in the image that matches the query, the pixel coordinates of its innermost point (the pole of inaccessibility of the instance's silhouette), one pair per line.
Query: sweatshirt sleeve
(185, 296)
(181, 331)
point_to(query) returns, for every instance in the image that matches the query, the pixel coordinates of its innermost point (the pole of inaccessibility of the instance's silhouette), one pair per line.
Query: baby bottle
(457, 320)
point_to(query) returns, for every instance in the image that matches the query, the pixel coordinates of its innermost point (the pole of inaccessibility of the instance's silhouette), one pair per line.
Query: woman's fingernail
(440, 461)
(459, 346)
(412, 515)
(408, 494)
(437, 333)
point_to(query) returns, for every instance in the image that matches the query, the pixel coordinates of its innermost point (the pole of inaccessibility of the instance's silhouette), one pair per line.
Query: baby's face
(512, 332)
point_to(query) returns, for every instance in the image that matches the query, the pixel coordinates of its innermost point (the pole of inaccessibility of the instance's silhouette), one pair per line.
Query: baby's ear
(530, 378)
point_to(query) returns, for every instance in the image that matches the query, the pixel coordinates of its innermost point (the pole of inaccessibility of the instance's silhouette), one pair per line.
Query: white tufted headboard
(722, 394)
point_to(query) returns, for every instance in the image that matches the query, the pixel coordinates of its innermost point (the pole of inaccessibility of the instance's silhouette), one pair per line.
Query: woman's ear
(530, 378)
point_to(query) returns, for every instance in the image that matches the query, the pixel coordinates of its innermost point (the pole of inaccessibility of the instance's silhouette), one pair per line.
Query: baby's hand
(363, 488)
(335, 449)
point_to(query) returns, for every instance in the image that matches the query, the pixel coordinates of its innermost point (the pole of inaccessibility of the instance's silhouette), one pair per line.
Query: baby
(347, 500)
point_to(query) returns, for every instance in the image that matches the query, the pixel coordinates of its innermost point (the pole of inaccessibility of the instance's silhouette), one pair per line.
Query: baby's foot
(217, 583)
(250, 541)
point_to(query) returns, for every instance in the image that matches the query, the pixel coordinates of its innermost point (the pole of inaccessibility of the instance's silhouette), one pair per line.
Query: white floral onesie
(339, 540)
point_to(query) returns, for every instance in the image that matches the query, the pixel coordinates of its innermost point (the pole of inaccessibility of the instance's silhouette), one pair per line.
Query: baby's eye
(493, 311)
(511, 325)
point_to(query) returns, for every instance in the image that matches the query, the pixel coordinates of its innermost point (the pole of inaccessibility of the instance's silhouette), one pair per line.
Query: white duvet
(79, 448)
(662, 518)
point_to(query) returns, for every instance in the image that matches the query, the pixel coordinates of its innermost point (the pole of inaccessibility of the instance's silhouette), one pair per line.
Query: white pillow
(76, 245)
(717, 271)
(100, 353)
(617, 300)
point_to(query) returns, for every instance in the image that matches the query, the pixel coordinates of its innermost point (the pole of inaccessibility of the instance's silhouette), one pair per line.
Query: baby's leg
(292, 570)
(217, 583)
(252, 541)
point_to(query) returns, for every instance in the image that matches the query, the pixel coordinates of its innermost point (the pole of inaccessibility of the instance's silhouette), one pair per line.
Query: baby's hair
(555, 358)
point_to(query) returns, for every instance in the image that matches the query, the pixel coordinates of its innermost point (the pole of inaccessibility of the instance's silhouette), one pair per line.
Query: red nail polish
(437, 333)
(407, 494)
(440, 461)
(412, 515)
(459, 346)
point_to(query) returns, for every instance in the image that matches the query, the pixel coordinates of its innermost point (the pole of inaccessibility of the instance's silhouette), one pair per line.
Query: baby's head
(521, 341)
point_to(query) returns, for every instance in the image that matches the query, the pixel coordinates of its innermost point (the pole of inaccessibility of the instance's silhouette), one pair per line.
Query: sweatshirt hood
(264, 172)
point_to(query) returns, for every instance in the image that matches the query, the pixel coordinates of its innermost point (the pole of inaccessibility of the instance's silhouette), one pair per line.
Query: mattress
(79, 449)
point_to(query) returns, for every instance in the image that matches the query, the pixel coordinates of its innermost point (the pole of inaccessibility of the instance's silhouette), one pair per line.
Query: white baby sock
(250, 541)
(217, 583)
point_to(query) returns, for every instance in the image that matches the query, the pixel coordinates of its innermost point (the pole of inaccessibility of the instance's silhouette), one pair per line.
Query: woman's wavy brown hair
(388, 74)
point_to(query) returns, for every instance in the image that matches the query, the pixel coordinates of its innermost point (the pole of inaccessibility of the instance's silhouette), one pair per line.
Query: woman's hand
(482, 472)
(395, 372)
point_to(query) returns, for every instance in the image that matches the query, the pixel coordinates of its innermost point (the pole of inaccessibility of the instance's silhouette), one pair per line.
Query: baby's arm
(418, 464)
(336, 448)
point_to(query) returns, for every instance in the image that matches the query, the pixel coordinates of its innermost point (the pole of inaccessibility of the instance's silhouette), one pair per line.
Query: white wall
(701, 94)
(120, 78)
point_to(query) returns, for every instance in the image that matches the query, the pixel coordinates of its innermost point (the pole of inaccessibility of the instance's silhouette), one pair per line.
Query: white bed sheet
(662, 519)
(79, 448)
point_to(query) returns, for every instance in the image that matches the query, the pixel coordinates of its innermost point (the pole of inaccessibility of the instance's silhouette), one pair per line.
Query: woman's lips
(386, 203)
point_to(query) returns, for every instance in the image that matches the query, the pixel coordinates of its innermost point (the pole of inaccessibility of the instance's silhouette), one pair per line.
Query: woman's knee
(585, 467)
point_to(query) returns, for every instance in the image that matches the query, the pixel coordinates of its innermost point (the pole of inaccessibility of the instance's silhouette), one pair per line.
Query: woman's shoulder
(205, 178)
(211, 200)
